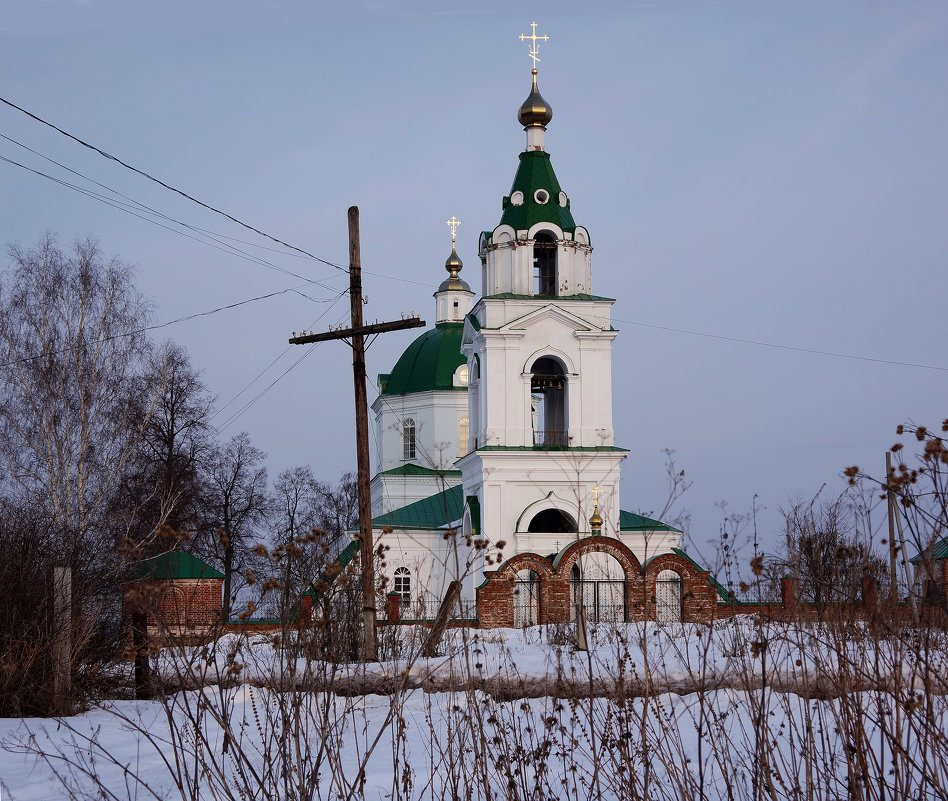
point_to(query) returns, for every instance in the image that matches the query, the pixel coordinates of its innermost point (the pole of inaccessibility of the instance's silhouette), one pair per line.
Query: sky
(748, 171)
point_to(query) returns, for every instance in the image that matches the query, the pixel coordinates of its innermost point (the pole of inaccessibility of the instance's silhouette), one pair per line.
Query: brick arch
(495, 601)
(698, 596)
(563, 565)
(524, 561)
(566, 558)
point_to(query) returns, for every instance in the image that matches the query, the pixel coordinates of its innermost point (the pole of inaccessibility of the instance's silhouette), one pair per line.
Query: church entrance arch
(597, 581)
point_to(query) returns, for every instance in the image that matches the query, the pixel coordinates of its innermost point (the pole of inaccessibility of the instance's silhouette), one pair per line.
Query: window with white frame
(462, 436)
(402, 584)
(408, 438)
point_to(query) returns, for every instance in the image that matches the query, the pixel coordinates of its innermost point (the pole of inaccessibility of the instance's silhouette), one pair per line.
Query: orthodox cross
(533, 39)
(596, 492)
(454, 222)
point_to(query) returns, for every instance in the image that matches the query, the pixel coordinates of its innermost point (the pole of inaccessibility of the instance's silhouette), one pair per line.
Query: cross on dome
(454, 222)
(534, 52)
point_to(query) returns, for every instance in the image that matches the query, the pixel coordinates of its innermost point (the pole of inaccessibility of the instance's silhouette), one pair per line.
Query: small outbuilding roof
(175, 565)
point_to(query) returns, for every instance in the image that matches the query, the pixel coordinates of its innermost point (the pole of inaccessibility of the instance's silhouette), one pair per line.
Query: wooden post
(357, 333)
(62, 639)
(581, 641)
(142, 666)
(367, 548)
(430, 648)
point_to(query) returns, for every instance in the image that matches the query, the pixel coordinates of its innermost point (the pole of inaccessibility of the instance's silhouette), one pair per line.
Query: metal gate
(668, 597)
(603, 601)
(526, 598)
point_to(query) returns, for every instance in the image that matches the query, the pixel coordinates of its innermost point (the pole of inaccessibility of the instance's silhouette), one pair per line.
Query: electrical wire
(183, 194)
(217, 237)
(158, 326)
(128, 209)
(259, 375)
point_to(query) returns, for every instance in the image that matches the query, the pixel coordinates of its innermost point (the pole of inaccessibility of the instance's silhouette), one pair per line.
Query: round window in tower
(541, 196)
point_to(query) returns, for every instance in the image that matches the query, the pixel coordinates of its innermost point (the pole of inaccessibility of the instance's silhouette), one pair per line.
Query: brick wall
(175, 605)
(495, 599)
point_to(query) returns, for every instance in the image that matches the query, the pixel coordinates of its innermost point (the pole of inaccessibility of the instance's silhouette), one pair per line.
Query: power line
(259, 375)
(158, 326)
(168, 186)
(224, 247)
(778, 346)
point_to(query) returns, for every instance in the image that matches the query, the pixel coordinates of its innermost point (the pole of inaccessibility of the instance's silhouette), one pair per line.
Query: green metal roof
(536, 172)
(937, 550)
(435, 511)
(584, 448)
(723, 593)
(418, 470)
(554, 298)
(630, 521)
(175, 565)
(428, 363)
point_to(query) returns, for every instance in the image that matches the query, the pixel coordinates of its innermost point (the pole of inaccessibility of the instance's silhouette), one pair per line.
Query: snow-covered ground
(650, 711)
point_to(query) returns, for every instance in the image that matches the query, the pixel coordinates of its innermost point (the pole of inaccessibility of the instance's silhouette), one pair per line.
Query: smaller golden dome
(596, 520)
(453, 264)
(535, 111)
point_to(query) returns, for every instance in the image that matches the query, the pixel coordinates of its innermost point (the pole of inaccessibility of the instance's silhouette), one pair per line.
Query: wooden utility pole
(355, 335)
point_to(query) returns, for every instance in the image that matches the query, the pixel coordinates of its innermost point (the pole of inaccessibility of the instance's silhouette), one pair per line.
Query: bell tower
(539, 345)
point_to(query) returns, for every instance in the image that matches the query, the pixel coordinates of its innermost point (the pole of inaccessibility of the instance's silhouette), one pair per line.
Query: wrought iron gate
(603, 601)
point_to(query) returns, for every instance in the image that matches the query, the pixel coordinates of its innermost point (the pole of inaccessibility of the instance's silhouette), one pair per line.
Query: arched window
(668, 597)
(462, 436)
(402, 585)
(408, 438)
(552, 521)
(544, 264)
(548, 388)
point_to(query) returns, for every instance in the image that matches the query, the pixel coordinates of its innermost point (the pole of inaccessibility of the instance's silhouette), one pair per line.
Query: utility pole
(355, 335)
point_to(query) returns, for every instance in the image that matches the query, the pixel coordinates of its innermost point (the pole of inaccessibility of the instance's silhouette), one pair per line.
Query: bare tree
(168, 487)
(825, 553)
(71, 348)
(238, 504)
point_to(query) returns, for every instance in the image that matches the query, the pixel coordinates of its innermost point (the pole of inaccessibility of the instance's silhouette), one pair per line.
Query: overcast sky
(766, 171)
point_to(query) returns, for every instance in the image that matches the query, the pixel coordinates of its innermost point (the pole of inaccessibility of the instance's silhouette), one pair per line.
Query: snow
(661, 710)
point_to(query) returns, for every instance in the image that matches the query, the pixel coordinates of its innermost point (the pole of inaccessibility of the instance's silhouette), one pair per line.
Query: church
(497, 461)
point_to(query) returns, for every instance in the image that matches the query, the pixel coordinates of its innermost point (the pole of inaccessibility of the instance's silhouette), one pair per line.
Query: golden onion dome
(535, 111)
(596, 520)
(453, 264)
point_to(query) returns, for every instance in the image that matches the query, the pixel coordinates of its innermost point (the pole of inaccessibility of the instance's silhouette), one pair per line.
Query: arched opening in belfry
(544, 264)
(548, 388)
(552, 521)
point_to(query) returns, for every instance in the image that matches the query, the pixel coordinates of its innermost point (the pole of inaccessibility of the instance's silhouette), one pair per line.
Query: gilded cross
(454, 222)
(596, 493)
(533, 39)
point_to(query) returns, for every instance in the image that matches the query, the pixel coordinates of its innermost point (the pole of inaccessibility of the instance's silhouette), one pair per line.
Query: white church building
(498, 465)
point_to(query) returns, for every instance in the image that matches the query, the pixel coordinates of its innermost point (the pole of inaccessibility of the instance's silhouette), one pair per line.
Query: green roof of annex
(428, 363)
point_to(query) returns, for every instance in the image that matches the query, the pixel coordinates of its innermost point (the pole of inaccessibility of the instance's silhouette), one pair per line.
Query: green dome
(428, 363)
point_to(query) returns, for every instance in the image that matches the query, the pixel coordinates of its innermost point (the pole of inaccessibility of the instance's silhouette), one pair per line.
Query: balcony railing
(551, 439)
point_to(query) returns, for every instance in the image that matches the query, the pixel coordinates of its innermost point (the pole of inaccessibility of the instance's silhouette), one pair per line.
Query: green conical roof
(428, 363)
(536, 172)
